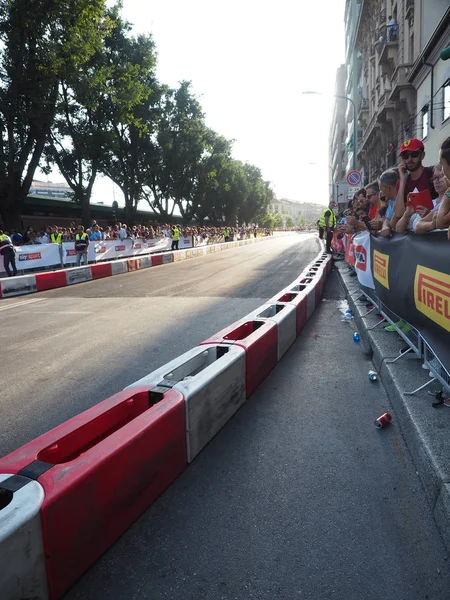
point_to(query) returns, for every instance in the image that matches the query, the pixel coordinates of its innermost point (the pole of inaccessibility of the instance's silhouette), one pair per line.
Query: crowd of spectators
(120, 231)
(408, 198)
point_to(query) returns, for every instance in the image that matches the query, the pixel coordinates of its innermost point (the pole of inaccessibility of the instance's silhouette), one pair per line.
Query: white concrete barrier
(119, 266)
(212, 381)
(17, 286)
(78, 275)
(285, 317)
(23, 572)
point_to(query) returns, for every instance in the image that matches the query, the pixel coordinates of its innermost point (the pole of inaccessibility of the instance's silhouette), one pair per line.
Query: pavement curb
(424, 428)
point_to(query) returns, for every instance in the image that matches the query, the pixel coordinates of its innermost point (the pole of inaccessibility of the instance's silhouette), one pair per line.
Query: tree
(41, 44)
(277, 220)
(290, 222)
(266, 220)
(302, 221)
(77, 140)
(133, 106)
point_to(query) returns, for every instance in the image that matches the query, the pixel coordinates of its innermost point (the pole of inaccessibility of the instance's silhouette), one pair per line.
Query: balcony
(387, 46)
(399, 81)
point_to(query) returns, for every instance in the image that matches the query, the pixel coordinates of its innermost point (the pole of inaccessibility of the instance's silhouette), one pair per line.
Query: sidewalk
(425, 429)
(298, 497)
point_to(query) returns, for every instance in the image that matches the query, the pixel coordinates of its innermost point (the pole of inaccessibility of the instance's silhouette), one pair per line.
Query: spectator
(414, 177)
(81, 245)
(16, 237)
(437, 218)
(95, 234)
(373, 195)
(444, 160)
(393, 29)
(175, 237)
(122, 231)
(327, 223)
(388, 186)
(42, 238)
(8, 253)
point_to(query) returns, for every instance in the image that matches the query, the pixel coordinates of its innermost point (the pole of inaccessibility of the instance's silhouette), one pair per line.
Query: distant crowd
(120, 231)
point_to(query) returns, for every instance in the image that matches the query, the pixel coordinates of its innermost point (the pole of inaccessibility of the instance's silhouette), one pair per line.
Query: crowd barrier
(50, 255)
(407, 277)
(37, 282)
(92, 476)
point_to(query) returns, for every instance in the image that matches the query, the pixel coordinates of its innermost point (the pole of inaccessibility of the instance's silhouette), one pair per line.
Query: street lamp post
(355, 128)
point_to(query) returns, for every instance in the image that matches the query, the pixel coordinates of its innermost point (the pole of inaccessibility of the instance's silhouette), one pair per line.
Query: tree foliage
(80, 91)
(41, 44)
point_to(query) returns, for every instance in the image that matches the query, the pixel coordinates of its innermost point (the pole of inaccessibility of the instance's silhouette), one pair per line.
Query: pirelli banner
(411, 274)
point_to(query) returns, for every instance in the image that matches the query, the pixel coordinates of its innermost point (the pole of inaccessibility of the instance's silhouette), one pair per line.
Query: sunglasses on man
(406, 155)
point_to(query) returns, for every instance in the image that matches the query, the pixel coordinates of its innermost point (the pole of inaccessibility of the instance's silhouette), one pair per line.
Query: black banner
(412, 278)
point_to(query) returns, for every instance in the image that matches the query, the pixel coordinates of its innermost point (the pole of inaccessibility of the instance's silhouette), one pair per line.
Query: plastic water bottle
(349, 311)
(356, 337)
(373, 376)
(348, 317)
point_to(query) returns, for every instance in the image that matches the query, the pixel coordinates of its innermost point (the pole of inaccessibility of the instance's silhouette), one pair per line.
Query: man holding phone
(414, 177)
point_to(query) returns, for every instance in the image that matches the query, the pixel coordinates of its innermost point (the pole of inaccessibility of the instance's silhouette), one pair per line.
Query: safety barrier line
(99, 471)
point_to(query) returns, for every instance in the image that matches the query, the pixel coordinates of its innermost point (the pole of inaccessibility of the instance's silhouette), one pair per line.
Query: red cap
(411, 145)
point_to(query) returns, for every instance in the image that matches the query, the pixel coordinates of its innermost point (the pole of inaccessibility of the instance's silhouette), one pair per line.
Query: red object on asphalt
(382, 421)
(100, 470)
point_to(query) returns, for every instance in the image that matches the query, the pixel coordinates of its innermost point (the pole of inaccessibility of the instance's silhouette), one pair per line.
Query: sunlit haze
(249, 61)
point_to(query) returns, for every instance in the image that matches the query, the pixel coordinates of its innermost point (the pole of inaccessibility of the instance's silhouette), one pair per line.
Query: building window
(446, 100)
(425, 116)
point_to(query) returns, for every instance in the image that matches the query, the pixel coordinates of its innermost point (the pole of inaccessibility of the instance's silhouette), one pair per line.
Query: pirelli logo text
(381, 268)
(432, 295)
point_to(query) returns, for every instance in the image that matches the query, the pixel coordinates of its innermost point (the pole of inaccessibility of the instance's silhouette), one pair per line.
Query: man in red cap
(414, 177)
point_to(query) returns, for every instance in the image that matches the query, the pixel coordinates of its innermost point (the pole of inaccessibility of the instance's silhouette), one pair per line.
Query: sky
(249, 62)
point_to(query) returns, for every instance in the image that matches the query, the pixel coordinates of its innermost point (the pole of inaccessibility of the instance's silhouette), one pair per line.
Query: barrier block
(284, 315)
(100, 470)
(133, 264)
(259, 339)
(101, 270)
(119, 266)
(22, 557)
(50, 281)
(212, 381)
(145, 262)
(299, 300)
(78, 275)
(17, 286)
(178, 255)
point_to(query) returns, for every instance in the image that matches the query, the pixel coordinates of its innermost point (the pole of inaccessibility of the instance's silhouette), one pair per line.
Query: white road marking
(19, 304)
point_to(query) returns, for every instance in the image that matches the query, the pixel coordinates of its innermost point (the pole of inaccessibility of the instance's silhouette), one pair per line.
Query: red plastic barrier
(49, 281)
(299, 300)
(259, 339)
(133, 264)
(157, 260)
(101, 270)
(105, 467)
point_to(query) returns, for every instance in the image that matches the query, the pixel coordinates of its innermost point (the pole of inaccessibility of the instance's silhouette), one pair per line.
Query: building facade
(296, 210)
(399, 84)
(338, 133)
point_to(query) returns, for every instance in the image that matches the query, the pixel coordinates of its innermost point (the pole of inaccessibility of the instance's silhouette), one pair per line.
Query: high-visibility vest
(176, 234)
(84, 238)
(5, 244)
(226, 233)
(56, 239)
(331, 219)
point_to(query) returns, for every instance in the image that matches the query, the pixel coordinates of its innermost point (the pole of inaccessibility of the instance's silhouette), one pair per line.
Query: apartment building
(399, 84)
(338, 132)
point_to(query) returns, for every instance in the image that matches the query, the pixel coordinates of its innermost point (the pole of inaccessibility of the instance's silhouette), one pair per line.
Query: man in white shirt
(122, 231)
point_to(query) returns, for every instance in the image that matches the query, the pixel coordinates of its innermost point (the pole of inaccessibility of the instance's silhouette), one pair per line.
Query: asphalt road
(299, 497)
(65, 350)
